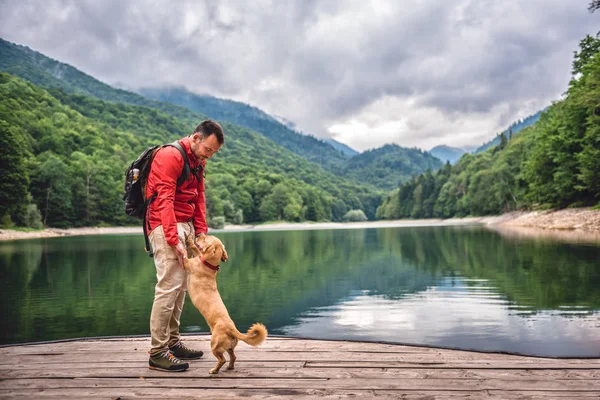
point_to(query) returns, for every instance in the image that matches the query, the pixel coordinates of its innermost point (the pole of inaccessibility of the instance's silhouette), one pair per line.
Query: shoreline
(580, 224)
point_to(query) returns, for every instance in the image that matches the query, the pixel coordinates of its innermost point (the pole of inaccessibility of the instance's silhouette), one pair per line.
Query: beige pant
(169, 293)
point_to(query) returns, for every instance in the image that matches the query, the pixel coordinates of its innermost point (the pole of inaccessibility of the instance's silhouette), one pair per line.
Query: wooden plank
(221, 381)
(334, 359)
(476, 364)
(142, 364)
(67, 371)
(266, 393)
(271, 344)
(268, 345)
(350, 351)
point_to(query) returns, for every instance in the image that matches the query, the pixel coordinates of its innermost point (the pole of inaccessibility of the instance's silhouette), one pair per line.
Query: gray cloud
(418, 73)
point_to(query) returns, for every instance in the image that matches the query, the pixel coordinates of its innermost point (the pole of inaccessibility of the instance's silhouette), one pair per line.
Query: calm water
(443, 286)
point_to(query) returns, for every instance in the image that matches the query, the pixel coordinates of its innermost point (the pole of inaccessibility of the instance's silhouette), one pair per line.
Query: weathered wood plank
(289, 345)
(266, 393)
(249, 364)
(317, 359)
(222, 381)
(67, 371)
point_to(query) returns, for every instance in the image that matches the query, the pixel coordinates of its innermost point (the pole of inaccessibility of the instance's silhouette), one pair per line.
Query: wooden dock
(290, 368)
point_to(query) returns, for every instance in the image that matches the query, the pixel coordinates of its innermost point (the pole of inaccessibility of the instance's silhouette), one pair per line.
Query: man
(175, 212)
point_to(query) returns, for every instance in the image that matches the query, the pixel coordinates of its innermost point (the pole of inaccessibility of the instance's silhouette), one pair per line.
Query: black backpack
(136, 203)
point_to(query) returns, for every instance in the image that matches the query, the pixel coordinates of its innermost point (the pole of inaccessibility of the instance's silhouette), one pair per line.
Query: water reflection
(444, 286)
(441, 316)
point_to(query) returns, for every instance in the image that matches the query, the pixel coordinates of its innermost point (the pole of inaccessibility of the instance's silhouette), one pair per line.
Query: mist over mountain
(447, 153)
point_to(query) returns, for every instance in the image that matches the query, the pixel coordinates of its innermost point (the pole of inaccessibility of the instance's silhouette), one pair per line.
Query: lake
(457, 287)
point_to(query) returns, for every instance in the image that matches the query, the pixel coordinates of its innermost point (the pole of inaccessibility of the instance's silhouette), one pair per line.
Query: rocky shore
(576, 222)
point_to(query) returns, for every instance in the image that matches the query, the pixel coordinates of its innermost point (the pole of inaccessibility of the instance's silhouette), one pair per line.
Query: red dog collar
(213, 267)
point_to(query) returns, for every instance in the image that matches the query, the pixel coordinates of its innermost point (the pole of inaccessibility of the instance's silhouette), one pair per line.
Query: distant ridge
(347, 150)
(511, 130)
(447, 153)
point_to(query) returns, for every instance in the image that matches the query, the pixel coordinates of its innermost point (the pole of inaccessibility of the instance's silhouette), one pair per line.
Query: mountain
(447, 153)
(77, 148)
(552, 162)
(238, 113)
(390, 165)
(45, 72)
(341, 147)
(511, 130)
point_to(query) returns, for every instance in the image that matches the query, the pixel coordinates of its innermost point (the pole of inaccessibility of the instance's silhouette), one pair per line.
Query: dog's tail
(255, 336)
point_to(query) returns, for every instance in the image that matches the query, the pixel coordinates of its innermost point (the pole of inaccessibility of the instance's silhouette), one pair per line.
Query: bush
(238, 218)
(355, 216)
(33, 218)
(6, 222)
(216, 222)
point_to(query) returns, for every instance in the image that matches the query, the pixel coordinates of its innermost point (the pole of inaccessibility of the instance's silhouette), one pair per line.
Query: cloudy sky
(412, 72)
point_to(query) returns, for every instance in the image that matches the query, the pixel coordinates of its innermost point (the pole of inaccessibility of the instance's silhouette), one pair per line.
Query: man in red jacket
(175, 212)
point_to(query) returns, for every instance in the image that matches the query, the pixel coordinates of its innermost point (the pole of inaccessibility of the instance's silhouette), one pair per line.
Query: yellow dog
(203, 266)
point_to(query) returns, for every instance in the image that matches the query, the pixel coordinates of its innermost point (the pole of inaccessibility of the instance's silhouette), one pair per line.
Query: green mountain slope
(46, 72)
(513, 129)
(341, 147)
(552, 163)
(390, 165)
(77, 149)
(396, 165)
(242, 114)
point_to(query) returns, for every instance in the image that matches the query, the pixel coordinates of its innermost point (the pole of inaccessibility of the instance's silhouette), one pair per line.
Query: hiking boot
(182, 352)
(165, 361)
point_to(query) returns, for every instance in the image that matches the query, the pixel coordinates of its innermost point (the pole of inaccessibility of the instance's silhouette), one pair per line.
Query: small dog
(203, 266)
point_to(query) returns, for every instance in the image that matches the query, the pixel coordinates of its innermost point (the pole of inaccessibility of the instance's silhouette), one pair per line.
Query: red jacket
(175, 204)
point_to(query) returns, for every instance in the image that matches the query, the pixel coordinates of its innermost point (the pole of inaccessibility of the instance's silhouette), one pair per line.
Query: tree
(589, 47)
(503, 141)
(13, 179)
(355, 216)
(51, 188)
(594, 5)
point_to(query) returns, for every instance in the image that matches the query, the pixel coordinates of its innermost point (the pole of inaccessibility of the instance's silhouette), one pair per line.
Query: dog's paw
(214, 371)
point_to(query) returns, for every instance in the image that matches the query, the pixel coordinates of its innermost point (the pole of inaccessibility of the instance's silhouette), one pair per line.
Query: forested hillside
(48, 73)
(513, 129)
(242, 114)
(374, 166)
(553, 163)
(68, 154)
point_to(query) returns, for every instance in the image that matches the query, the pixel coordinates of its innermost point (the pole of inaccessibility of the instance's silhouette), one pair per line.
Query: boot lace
(182, 346)
(169, 356)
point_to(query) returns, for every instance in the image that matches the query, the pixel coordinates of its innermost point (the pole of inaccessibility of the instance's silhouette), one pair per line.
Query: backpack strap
(185, 174)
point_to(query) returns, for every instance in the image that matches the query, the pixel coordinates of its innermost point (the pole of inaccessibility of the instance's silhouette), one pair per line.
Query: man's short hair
(210, 127)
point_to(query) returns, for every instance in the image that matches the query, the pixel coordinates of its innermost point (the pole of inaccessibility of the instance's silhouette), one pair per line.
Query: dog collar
(213, 267)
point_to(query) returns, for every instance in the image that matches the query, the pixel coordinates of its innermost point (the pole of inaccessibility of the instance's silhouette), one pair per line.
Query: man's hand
(180, 252)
